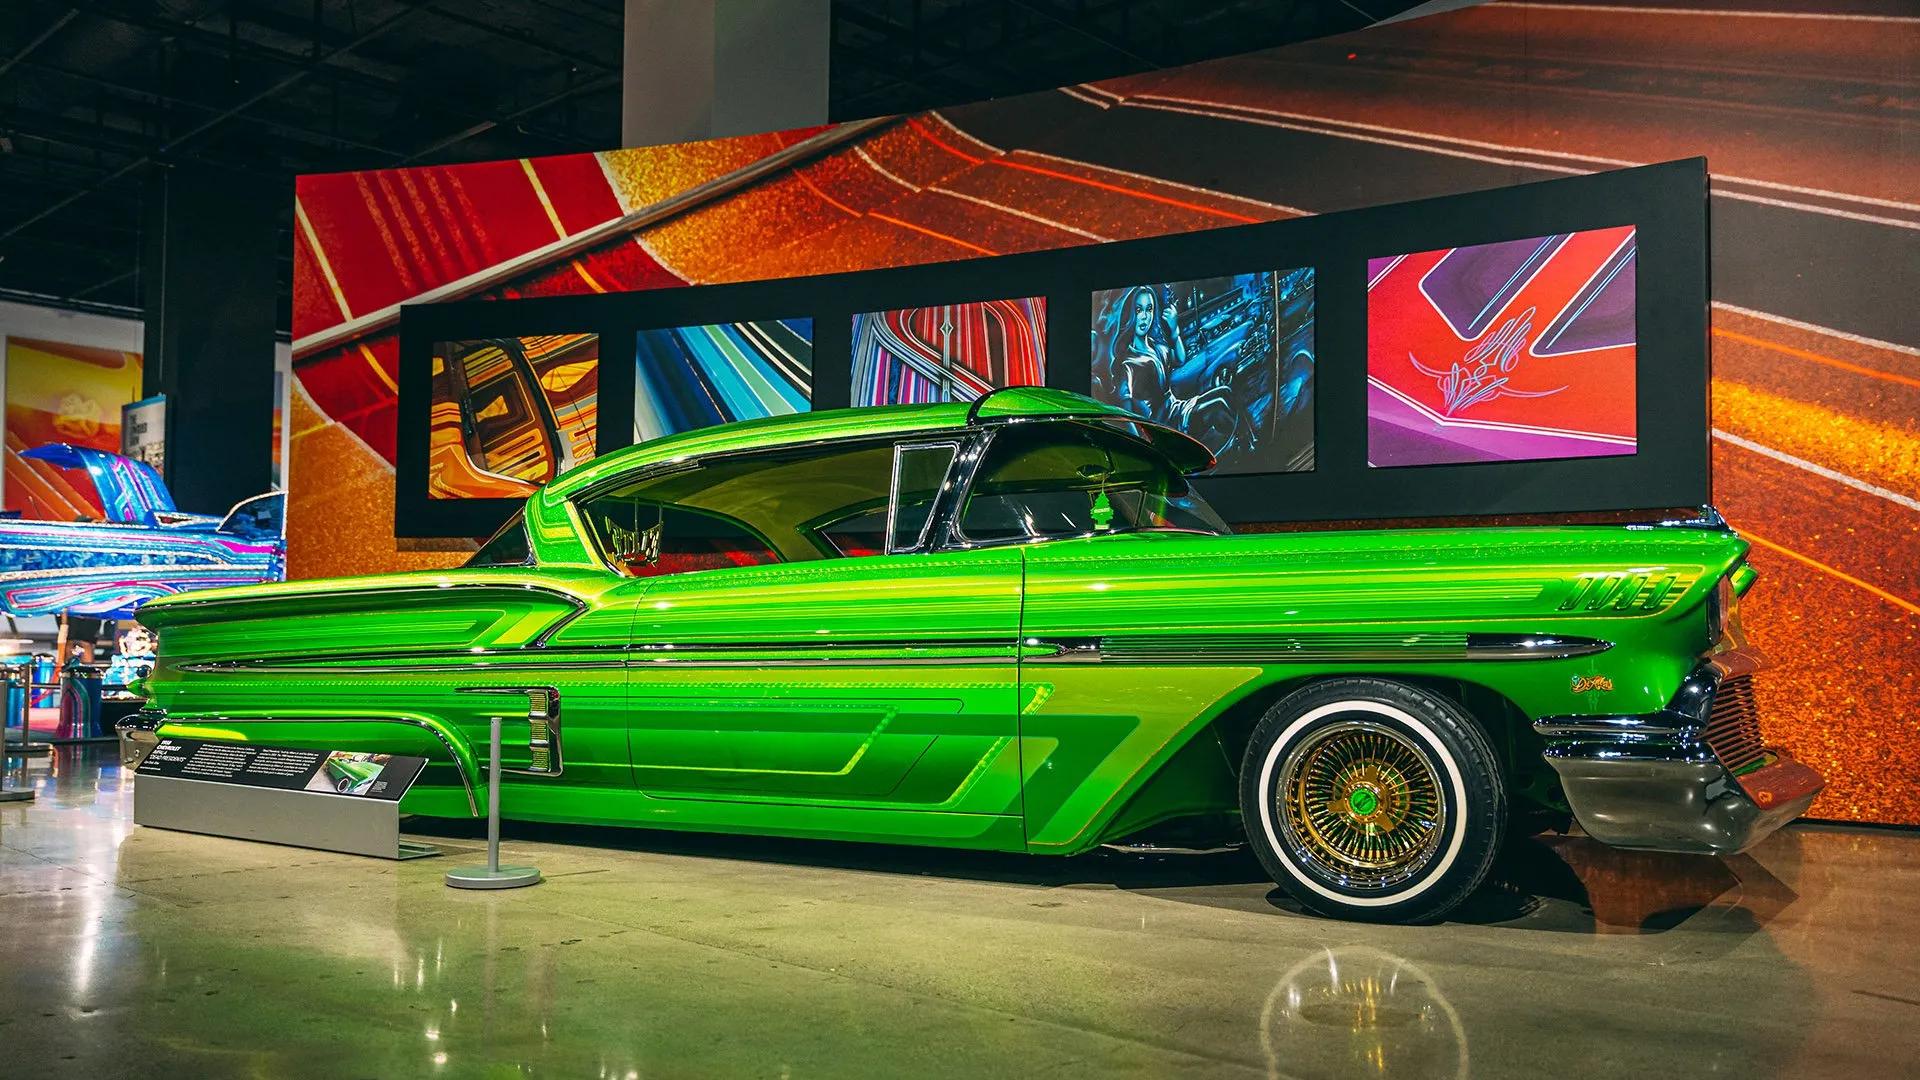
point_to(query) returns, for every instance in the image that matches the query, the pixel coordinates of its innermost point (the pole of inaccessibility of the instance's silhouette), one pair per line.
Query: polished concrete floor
(127, 951)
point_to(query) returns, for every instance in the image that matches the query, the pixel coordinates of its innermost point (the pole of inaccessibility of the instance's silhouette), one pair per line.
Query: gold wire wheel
(1361, 804)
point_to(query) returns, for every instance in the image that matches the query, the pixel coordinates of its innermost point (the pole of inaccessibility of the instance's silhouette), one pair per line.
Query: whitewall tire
(1373, 799)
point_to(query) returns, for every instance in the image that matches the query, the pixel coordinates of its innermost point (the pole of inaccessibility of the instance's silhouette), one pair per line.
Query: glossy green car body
(1045, 696)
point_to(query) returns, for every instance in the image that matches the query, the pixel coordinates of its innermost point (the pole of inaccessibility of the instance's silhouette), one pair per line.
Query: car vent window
(919, 472)
(262, 517)
(507, 547)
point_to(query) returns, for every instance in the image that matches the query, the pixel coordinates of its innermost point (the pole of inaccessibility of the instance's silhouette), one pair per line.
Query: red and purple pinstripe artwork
(948, 352)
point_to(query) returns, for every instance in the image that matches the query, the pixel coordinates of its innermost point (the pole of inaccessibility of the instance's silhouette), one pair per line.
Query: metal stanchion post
(13, 794)
(27, 745)
(493, 875)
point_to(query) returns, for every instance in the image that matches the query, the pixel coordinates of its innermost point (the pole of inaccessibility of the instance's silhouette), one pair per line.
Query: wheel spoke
(1362, 803)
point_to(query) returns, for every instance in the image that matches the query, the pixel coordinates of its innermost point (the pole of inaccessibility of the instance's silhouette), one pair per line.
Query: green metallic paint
(919, 698)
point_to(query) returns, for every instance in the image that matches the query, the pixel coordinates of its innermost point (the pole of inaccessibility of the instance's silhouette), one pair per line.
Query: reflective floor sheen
(133, 952)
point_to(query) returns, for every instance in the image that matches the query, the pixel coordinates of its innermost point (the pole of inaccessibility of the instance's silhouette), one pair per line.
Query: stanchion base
(11, 795)
(479, 877)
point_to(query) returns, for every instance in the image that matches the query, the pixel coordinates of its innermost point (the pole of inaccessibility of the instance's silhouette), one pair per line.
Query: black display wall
(1665, 203)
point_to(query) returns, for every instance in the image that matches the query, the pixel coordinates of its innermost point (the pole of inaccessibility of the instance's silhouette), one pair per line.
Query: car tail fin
(131, 492)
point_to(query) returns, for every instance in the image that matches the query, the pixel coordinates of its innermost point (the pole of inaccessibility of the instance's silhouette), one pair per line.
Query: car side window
(787, 504)
(262, 517)
(639, 538)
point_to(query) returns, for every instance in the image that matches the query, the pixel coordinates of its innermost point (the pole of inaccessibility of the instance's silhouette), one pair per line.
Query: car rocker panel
(1046, 644)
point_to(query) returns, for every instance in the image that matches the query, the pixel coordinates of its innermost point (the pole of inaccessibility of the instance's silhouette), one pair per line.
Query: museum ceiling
(95, 96)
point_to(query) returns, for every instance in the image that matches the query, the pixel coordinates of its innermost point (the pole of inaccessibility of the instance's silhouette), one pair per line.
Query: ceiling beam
(39, 39)
(157, 97)
(523, 39)
(591, 86)
(382, 27)
(379, 88)
(40, 299)
(1078, 28)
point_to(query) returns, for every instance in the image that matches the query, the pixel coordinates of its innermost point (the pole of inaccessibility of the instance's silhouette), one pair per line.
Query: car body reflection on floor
(143, 952)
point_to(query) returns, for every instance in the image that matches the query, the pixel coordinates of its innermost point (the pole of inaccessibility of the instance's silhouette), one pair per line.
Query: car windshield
(262, 517)
(1048, 480)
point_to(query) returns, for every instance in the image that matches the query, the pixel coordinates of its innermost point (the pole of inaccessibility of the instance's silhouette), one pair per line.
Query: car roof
(999, 406)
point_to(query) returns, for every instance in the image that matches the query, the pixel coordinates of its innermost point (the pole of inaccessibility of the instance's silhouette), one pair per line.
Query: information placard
(336, 772)
(334, 800)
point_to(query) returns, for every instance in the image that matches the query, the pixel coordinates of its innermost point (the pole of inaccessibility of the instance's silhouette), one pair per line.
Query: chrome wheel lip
(1414, 799)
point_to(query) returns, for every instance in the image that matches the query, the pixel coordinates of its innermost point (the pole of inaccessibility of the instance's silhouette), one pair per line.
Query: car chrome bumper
(138, 736)
(1661, 780)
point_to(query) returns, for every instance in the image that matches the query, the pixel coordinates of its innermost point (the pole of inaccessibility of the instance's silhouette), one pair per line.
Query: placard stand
(493, 875)
(296, 818)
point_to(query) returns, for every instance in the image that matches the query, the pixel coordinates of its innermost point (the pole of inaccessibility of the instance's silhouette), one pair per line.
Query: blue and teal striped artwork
(697, 376)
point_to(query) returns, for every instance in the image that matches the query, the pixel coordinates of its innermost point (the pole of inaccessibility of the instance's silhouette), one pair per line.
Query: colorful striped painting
(696, 376)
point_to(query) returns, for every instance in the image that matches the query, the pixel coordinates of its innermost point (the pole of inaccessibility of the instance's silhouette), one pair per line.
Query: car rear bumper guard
(1693, 777)
(139, 734)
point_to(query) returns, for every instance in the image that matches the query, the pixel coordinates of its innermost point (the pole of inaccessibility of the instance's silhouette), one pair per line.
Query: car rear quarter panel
(1191, 625)
(387, 664)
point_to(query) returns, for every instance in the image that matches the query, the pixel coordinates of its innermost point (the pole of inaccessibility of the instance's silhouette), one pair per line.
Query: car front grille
(1733, 725)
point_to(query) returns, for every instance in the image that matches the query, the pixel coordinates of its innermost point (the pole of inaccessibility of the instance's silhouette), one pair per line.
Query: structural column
(211, 299)
(704, 69)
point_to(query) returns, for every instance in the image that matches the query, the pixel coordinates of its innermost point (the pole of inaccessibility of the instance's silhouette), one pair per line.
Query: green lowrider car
(350, 773)
(1013, 625)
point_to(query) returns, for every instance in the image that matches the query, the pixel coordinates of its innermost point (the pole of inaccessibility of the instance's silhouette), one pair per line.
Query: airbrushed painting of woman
(1227, 360)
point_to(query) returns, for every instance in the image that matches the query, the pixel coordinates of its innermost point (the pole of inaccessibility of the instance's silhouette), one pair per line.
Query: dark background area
(98, 98)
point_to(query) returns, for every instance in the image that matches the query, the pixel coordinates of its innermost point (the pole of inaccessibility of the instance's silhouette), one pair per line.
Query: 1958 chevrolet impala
(1013, 625)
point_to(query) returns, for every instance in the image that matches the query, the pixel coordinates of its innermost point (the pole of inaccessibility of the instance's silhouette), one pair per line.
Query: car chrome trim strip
(1708, 519)
(1328, 647)
(1140, 649)
(425, 589)
(396, 663)
(617, 656)
(1532, 646)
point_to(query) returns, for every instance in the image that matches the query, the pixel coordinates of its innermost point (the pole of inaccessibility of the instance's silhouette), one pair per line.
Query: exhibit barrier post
(7, 793)
(493, 875)
(30, 672)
